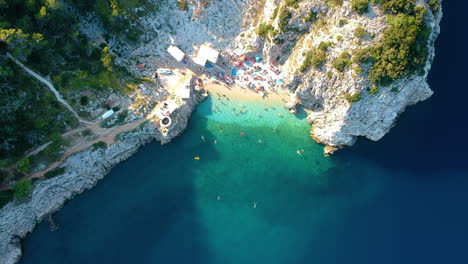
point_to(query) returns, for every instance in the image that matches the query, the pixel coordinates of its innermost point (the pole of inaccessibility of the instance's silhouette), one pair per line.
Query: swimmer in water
(275, 129)
(260, 141)
(298, 152)
(219, 198)
(203, 138)
(255, 205)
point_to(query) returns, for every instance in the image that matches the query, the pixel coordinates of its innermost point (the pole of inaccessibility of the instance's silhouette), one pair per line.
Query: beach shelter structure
(107, 114)
(206, 53)
(183, 91)
(176, 53)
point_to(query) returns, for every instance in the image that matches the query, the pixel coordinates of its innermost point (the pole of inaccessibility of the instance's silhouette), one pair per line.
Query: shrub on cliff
(284, 16)
(360, 6)
(353, 98)
(99, 145)
(264, 29)
(334, 3)
(374, 89)
(54, 173)
(182, 5)
(342, 62)
(22, 188)
(435, 6)
(314, 57)
(398, 6)
(360, 32)
(325, 45)
(312, 16)
(293, 3)
(362, 56)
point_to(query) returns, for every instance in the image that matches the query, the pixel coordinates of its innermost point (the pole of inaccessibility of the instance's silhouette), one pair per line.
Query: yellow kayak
(196, 158)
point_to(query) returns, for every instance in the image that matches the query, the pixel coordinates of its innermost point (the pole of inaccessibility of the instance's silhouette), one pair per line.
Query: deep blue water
(400, 200)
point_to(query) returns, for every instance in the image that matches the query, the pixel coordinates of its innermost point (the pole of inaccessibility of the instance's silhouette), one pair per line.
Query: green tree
(314, 57)
(360, 32)
(342, 62)
(32, 5)
(398, 6)
(22, 188)
(42, 13)
(360, 6)
(24, 165)
(107, 59)
(353, 98)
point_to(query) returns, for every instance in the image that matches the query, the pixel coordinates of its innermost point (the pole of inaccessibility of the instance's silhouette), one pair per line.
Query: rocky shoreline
(83, 171)
(335, 123)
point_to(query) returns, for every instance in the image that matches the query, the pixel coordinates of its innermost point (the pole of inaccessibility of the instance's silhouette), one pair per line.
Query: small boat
(196, 158)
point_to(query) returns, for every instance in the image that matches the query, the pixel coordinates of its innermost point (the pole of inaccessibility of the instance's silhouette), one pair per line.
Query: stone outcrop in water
(83, 171)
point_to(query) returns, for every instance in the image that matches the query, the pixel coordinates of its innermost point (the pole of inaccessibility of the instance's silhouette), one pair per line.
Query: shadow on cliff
(430, 135)
(144, 211)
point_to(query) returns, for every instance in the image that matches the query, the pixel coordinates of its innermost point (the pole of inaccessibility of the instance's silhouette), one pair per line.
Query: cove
(254, 199)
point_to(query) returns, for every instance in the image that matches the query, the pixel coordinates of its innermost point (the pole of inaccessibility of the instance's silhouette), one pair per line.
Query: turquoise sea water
(402, 199)
(253, 199)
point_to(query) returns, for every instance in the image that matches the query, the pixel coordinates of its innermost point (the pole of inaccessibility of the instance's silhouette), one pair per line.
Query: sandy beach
(237, 93)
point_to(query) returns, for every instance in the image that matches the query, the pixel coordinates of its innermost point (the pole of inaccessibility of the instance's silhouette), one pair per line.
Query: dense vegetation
(45, 35)
(23, 188)
(403, 48)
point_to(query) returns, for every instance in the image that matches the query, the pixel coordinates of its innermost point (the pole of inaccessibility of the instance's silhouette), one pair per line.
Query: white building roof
(176, 53)
(107, 114)
(183, 91)
(205, 54)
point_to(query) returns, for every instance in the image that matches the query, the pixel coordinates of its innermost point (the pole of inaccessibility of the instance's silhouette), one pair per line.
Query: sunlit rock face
(233, 26)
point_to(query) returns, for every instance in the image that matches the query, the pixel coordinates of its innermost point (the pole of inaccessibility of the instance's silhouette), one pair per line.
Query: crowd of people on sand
(251, 73)
(246, 72)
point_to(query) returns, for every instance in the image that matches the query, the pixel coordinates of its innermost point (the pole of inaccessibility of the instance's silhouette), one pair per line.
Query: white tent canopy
(205, 54)
(176, 53)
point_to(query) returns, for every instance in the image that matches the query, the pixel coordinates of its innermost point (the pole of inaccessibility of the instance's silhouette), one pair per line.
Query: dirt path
(51, 87)
(104, 134)
(107, 135)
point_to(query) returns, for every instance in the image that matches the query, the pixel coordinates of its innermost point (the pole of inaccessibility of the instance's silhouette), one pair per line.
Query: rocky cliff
(83, 171)
(317, 45)
(345, 103)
